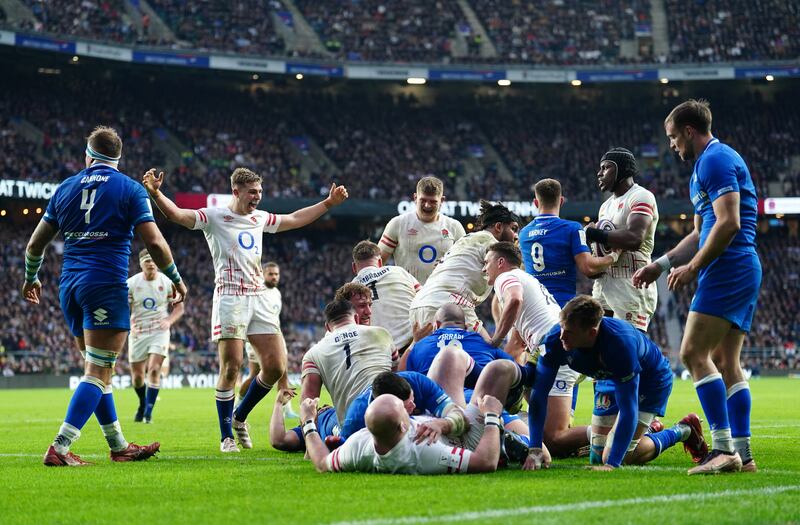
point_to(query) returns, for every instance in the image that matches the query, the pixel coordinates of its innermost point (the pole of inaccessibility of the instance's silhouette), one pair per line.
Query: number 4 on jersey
(87, 203)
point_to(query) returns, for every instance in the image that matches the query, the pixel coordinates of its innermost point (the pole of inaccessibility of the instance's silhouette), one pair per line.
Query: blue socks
(84, 401)
(713, 398)
(106, 412)
(150, 400)
(739, 404)
(254, 394)
(665, 439)
(225, 400)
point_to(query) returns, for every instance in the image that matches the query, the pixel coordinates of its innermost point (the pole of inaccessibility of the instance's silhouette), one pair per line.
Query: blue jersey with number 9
(96, 212)
(549, 245)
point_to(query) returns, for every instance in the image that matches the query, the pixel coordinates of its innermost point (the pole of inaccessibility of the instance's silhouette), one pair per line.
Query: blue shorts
(95, 307)
(653, 396)
(728, 288)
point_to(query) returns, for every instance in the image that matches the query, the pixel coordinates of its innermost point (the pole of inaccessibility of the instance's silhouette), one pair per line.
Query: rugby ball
(601, 250)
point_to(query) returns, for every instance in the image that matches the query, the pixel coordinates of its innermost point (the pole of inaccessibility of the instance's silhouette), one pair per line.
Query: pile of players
(452, 405)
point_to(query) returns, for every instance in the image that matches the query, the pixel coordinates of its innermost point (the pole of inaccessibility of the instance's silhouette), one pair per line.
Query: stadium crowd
(567, 32)
(366, 137)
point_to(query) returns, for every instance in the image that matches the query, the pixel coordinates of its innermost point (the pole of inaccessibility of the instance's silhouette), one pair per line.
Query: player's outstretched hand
(152, 182)
(538, 459)
(647, 275)
(308, 409)
(681, 276)
(179, 292)
(429, 431)
(285, 395)
(337, 195)
(32, 291)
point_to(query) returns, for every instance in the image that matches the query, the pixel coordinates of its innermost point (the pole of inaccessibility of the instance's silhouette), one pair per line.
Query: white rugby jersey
(539, 311)
(236, 243)
(393, 289)
(458, 278)
(417, 245)
(348, 359)
(149, 302)
(274, 300)
(617, 210)
(358, 454)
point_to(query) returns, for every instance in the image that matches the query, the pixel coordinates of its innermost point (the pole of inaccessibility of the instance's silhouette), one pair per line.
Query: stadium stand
(566, 32)
(720, 31)
(393, 30)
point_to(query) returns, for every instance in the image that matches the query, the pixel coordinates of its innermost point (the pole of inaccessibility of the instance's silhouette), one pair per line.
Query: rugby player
(721, 254)
(419, 238)
(609, 348)
(458, 278)
(97, 210)
(149, 296)
(347, 358)
(240, 309)
(393, 289)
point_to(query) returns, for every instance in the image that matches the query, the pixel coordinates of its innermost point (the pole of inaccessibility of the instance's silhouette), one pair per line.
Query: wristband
(597, 235)
(32, 265)
(309, 427)
(664, 263)
(457, 423)
(171, 271)
(492, 419)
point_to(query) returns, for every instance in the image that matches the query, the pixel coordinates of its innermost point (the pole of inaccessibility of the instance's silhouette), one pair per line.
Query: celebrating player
(241, 310)
(392, 289)
(458, 278)
(721, 254)
(97, 210)
(347, 358)
(608, 348)
(418, 239)
(149, 296)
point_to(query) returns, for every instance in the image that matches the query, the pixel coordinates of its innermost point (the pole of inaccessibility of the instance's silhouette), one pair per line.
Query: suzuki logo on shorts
(100, 315)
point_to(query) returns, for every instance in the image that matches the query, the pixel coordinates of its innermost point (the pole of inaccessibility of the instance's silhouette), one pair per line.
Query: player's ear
(353, 266)
(561, 201)
(380, 262)
(414, 196)
(536, 202)
(328, 327)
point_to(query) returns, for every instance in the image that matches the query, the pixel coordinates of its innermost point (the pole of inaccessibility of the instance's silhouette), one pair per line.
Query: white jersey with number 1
(348, 359)
(417, 245)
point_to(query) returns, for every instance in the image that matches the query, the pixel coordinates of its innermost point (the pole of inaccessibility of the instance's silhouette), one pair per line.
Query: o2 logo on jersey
(426, 250)
(247, 241)
(149, 304)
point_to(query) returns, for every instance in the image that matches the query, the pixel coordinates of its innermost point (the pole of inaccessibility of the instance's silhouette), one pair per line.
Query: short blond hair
(350, 290)
(241, 176)
(105, 141)
(430, 186)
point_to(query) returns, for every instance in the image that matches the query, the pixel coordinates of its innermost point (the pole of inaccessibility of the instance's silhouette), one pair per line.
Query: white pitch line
(165, 457)
(570, 507)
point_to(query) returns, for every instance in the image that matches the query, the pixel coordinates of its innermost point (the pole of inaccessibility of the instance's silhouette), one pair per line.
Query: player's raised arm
(34, 256)
(279, 438)
(171, 211)
(305, 216)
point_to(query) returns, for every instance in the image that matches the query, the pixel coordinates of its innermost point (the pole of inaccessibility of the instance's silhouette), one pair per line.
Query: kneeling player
(608, 348)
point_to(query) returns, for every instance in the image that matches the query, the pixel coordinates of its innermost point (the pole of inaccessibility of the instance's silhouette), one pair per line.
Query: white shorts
(565, 382)
(140, 345)
(237, 316)
(628, 303)
(423, 315)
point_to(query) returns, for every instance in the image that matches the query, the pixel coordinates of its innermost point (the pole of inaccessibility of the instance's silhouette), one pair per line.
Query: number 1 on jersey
(87, 203)
(347, 361)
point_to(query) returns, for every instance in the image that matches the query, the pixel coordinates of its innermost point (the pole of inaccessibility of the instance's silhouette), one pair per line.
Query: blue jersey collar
(714, 140)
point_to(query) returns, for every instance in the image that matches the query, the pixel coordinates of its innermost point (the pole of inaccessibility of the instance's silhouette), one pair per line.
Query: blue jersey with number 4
(96, 212)
(549, 245)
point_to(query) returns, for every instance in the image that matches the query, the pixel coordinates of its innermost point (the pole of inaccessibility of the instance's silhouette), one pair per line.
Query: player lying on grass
(608, 348)
(393, 442)
(292, 440)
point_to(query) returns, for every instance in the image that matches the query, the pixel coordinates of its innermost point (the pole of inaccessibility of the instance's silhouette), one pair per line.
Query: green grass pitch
(191, 482)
